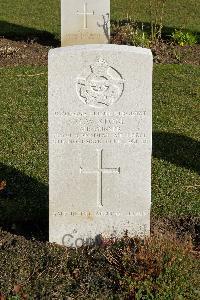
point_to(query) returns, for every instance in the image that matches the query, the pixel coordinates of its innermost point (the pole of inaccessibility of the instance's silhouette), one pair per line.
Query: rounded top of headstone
(99, 47)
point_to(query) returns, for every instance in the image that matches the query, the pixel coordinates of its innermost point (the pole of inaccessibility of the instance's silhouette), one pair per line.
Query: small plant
(130, 34)
(184, 38)
(157, 11)
(177, 55)
(140, 39)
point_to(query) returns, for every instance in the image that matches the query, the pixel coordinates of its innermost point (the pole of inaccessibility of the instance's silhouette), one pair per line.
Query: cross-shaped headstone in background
(85, 14)
(95, 30)
(99, 172)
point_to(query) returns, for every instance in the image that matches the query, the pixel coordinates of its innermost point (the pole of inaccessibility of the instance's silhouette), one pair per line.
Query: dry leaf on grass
(17, 288)
(2, 185)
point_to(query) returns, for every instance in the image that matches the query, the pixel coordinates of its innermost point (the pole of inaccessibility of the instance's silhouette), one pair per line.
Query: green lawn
(176, 143)
(29, 18)
(25, 17)
(24, 154)
(24, 143)
(178, 13)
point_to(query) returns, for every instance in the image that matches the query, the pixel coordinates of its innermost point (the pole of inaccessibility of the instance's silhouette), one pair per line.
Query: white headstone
(85, 22)
(100, 140)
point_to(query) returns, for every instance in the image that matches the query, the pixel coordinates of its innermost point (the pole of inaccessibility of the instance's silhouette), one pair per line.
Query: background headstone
(85, 22)
(100, 133)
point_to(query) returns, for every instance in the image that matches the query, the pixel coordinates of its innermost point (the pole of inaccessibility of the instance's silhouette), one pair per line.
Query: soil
(32, 53)
(20, 53)
(169, 53)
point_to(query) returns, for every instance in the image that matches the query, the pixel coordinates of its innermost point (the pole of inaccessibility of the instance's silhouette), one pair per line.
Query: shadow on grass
(23, 204)
(21, 33)
(177, 149)
(184, 152)
(146, 27)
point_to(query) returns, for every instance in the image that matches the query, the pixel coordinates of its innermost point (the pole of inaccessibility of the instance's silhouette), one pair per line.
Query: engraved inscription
(83, 36)
(99, 172)
(103, 127)
(91, 214)
(85, 15)
(100, 85)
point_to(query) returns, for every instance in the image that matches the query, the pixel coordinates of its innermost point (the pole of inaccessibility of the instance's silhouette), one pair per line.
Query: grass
(24, 152)
(176, 162)
(178, 13)
(24, 162)
(24, 127)
(158, 268)
(22, 18)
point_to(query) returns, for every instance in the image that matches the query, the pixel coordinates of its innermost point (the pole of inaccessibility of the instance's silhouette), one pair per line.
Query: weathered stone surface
(100, 140)
(85, 22)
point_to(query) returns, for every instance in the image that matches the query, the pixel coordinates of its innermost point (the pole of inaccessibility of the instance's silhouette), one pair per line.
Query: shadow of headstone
(177, 149)
(21, 33)
(23, 204)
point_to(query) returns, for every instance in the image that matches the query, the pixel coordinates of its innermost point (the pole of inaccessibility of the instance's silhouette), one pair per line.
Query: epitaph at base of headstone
(100, 142)
(85, 22)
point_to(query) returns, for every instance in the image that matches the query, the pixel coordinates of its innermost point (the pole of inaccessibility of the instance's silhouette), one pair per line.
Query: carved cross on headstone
(85, 14)
(85, 22)
(99, 172)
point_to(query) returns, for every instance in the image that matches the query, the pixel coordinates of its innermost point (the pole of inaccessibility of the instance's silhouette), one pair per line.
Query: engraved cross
(85, 14)
(99, 172)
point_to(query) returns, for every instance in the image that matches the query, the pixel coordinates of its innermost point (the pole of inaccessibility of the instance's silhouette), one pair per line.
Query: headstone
(85, 22)
(100, 137)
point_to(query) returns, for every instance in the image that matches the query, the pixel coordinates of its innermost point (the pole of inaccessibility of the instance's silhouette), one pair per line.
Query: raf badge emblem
(100, 85)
